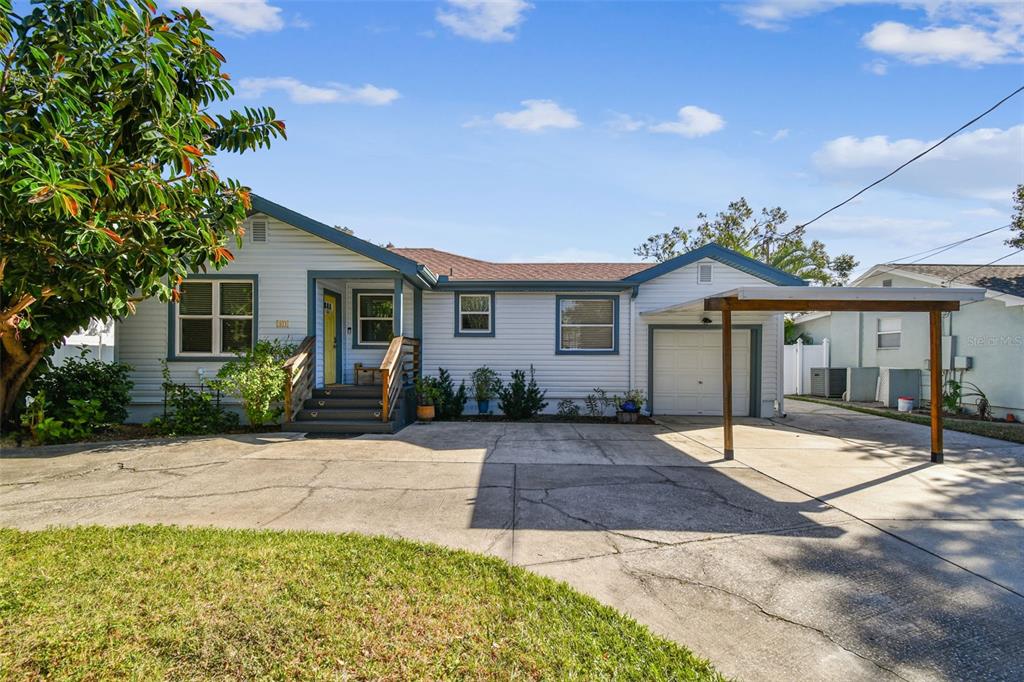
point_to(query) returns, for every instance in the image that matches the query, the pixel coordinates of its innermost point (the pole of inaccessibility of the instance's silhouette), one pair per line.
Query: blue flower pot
(483, 406)
(629, 406)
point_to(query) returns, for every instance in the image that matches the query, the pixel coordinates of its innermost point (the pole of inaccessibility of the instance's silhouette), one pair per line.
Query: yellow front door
(330, 338)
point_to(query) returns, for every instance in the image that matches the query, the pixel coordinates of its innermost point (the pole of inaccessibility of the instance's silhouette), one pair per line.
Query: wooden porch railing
(298, 381)
(398, 368)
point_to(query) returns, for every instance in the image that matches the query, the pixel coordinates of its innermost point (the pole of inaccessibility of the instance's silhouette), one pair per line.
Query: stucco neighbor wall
(990, 332)
(281, 263)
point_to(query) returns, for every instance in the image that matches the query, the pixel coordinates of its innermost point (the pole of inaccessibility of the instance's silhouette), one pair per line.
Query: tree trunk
(17, 361)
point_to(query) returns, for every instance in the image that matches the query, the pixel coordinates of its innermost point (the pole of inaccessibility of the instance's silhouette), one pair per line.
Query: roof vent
(886, 282)
(258, 229)
(704, 273)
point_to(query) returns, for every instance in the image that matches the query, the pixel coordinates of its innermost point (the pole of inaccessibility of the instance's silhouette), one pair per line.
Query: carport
(934, 301)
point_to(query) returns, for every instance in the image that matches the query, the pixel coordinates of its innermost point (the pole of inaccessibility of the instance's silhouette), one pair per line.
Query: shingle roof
(456, 267)
(1006, 279)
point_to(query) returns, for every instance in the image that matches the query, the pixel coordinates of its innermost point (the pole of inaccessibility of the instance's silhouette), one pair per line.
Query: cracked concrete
(830, 548)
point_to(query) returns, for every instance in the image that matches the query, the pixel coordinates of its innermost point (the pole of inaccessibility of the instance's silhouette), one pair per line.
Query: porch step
(371, 391)
(344, 414)
(341, 403)
(341, 426)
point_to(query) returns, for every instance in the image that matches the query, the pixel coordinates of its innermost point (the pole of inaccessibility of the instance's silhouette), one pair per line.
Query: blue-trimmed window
(375, 317)
(214, 318)
(587, 325)
(474, 313)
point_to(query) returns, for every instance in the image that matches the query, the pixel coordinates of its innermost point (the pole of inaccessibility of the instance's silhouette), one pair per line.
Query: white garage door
(688, 371)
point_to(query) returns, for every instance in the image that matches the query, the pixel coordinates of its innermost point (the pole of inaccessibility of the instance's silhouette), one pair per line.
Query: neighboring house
(95, 342)
(580, 325)
(988, 334)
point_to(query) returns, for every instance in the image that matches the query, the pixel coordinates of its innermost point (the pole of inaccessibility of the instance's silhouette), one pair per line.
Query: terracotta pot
(425, 413)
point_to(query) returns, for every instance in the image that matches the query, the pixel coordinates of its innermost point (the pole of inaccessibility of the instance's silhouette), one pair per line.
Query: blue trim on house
(397, 323)
(339, 337)
(722, 255)
(615, 325)
(172, 331)
(481, 334)
(417, 313)
(755, 359)
(404, 265)
(469, 286)
(355, 315)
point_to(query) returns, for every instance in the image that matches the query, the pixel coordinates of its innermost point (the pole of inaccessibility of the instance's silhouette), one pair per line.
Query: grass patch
(161, 602)
(1002, 430)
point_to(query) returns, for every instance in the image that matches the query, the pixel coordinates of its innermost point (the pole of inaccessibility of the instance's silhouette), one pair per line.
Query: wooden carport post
(727, 379)
(935, 339)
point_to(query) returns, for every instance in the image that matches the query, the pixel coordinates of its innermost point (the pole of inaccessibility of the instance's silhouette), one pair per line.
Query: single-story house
(983, 342)
(615, 326)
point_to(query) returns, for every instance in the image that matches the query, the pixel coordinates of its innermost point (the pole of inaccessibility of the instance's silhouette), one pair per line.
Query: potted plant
(426, 397)
(627, 406)
(486, 384)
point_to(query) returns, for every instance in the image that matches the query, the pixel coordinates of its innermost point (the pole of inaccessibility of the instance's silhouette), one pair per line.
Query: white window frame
(898, 333)
(359, 317)
(612, 325)
(215, 318)
(489, 312)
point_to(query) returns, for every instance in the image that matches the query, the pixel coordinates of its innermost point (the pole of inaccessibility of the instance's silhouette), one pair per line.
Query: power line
(938, 249)
(907, 163)
(962, 274)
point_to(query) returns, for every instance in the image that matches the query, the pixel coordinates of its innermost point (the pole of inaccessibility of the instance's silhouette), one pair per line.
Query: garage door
(688, 372)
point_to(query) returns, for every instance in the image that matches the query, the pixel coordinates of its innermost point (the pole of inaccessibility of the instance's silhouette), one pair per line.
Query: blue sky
(573, 130)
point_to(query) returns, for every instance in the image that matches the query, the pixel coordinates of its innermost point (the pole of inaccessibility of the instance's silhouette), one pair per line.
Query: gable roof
(722, 255)
(380, 254)
(1005, 279)
(456, 268)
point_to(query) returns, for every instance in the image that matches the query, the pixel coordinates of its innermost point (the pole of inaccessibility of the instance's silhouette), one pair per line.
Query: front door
(330, 338)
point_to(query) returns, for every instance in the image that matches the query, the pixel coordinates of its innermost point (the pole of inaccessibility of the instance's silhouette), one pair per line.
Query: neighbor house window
(215, 318)
(375, 318)
(474, 314)
(587, 324)
(889, 331)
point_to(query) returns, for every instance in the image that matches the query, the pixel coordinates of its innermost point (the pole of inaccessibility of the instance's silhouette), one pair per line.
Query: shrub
(450, 402)
(568, 409)
(81, 378)
(426, 391)
(597, 402)
(630, 401)
(257, 378)
(190, 412)
(486, 383)
(520, 399)
(79, 420)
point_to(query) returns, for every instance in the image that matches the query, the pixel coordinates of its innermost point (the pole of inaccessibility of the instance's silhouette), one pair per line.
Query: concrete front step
(341, 426)
(346, 414)
(348, 392)
(341, 403)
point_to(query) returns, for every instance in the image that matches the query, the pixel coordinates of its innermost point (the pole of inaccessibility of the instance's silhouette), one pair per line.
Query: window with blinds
(586, 324)
(475, 314)
(890, 331)
(215, 318)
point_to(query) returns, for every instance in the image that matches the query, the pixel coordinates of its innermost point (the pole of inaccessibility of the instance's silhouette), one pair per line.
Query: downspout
(780, 377)
(632, 339)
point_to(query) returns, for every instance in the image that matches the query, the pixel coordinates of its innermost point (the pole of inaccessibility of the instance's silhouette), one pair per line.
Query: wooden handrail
(298, 378)
(401, 360)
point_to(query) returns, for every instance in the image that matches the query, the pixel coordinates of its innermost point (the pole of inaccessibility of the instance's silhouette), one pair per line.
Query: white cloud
(624, 123)
(963, 44)
(243, 16)
(693, 121)
(981, 164)
(879, 67)
(488, 21)
(780, 134)
(301, 93)
(536, 115)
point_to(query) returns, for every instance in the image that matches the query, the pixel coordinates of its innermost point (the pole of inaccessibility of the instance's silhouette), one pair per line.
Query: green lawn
(993, 429)
(162, 602)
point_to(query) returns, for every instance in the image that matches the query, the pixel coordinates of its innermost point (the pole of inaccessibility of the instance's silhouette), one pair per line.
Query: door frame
(339, 338)
(755, 359)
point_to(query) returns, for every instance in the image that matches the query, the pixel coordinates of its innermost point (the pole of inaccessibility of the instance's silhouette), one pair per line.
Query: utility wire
(937, 250)
(967, 272)
(907, 163)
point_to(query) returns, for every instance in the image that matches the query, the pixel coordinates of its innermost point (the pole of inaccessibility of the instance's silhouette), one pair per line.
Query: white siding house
(580, 325)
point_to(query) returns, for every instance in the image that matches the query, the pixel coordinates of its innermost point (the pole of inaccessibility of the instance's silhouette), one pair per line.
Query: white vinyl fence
(798, 358)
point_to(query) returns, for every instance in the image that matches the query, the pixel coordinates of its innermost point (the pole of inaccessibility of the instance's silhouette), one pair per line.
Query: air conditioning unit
(828, 382)
(894, 383)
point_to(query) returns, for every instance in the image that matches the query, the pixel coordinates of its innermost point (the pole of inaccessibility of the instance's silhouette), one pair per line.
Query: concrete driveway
(829, 549)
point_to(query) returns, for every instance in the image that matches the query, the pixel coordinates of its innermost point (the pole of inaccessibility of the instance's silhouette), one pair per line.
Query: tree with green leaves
(763, 237)
(108, 193)
(1017, 219)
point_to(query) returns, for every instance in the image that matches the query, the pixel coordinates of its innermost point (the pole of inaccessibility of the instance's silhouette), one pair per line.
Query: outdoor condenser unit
(828, 382)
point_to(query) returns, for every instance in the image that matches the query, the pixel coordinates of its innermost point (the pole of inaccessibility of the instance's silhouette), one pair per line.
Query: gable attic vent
(259, 230)
(704, 273)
